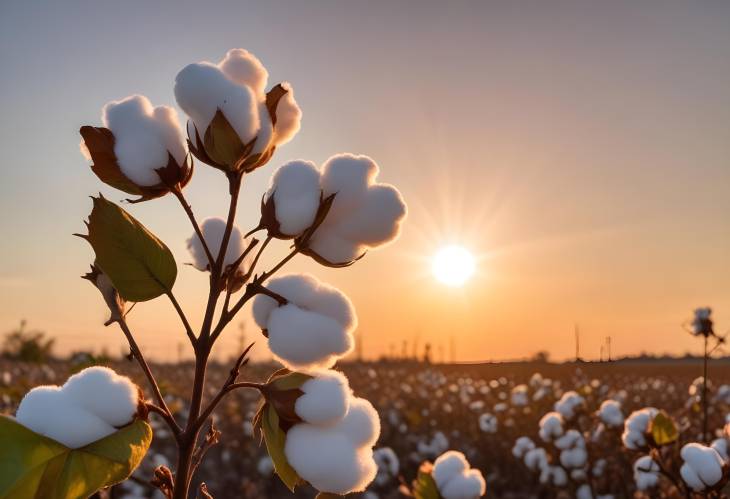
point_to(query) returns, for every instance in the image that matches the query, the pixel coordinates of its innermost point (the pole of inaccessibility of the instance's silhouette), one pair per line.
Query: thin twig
(189, 210)
(148, 373)
(183, 318)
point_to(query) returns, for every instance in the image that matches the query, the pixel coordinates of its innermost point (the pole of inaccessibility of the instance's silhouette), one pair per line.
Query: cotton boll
(447, 466)
(470, 485)
(47, 411)
(361, 424)
(303, 340)
(325, 400)
(536, 459)
(702, 468)
(584, 492)
(265, 135)
(202, 88)
(363, 215)
(388, 465)
(522, 446)
(213, 230)
(636, 427)
(244, 68)
(569, 404)
(144, 137)
(720, 445)
(519, 396)
(104, 393)
(288, 117)
(554, 475)
(328, 459)
(488, 423)
(646, 473)
(296, 191)
(551, 426)
(610, 413)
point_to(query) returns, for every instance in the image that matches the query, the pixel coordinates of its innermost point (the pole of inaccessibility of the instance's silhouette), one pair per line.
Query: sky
(581, 150)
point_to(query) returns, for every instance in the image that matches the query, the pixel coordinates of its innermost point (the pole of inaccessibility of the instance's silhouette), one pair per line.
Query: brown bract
(100, 143)
(222, 148)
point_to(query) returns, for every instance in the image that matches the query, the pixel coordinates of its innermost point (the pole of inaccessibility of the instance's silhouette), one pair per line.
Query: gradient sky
(581, 151)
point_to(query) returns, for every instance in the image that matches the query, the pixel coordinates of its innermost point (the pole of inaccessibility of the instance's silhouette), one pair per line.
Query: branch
(188, 209)
(150, 377)
(162, 413)
(183, 318)
(212, 437)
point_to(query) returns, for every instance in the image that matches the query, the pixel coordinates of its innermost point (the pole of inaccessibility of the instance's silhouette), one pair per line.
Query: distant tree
(542, 356)
(27, 346)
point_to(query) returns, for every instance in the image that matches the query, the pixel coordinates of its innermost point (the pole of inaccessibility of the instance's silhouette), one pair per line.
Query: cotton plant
(316, 430)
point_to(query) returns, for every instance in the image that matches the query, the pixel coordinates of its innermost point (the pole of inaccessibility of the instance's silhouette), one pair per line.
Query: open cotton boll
(518, 396)
(569, 404)
(296, 191)
(288, 117)
(104, 393)
(202, 88)
(720, 445)
(522, 446)
(328, 459)
(551, 426)
(536, 459)
(364, 214)
(454, 478)
(702, 468)
(313, 329)
(636, 427)
(244, 68)
(48, 411)
(388, 465)
(326, 398)
(610, 413)
(361, 424)
(144, 137)
(488, 423)
(646, 473)
(554, 475)
(213, 230)
(448, 465)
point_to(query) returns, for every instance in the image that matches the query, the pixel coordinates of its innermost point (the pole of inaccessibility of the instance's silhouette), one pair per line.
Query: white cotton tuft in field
(636, 426)
(702, 468)
(90, 406)
(455, 479)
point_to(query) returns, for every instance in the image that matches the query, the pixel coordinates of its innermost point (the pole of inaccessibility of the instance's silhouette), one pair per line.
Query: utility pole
(608, 346)
(601, 353)
(577, 343)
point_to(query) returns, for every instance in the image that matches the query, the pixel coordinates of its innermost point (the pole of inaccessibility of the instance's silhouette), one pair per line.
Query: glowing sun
(453, 265)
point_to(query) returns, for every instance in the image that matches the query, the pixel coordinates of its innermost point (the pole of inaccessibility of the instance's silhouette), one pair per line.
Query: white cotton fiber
(363, 215)
(288, 117)
(536, 459)
(551, 426)
(454, 478)
(213, 229)
(144, 136)
(488, 423)
(522, 446)
(327, 458)
(569, 404)
(646, 473)
(296, 191)
(721, 446)
(202, 88)
(244, 68)
(361, 424)
(702, 468)
(104, 393)
(388, 465)
(87, 408)
(610, 413)
(636, 427)
(325, 400)
(313, 329)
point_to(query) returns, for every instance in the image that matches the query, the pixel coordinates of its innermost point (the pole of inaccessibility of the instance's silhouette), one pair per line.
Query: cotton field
(511, 430)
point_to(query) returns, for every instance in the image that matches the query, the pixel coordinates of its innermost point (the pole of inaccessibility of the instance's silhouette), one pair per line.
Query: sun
(453, 265)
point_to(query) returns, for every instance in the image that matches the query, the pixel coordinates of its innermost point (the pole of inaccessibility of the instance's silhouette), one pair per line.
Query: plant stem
(189, 211)
(183, 318)
(705, 436)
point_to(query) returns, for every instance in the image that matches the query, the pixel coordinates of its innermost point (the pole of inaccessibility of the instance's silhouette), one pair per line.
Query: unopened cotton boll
(455, 479)
(551, 426)
(313, 329)
(610, 413)
(144, 137)
(296, 196)
(104, 393)
(646, 473)
(636, 427)
(702, 468)
(363, 215)
(213, 230)
(325, 400)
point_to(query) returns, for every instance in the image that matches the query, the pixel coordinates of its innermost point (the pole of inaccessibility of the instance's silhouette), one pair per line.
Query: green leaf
(275, 439)
(663, 429)
(139, 265)
(34, 466)
(424, 486)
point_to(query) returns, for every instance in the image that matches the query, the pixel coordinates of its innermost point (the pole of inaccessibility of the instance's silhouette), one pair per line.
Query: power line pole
(608, 346)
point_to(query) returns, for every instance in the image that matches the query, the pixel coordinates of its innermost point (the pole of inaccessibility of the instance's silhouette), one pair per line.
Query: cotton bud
(364, 214)
(551, 426)
(91, 405)
(703, 467)
(636, 428)
(140, 149)
(702, 322)
(569, 405)
(610, 413)
(313, 329)
(455, 479)
(235, 125)
(102, 282)
(646, 473)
